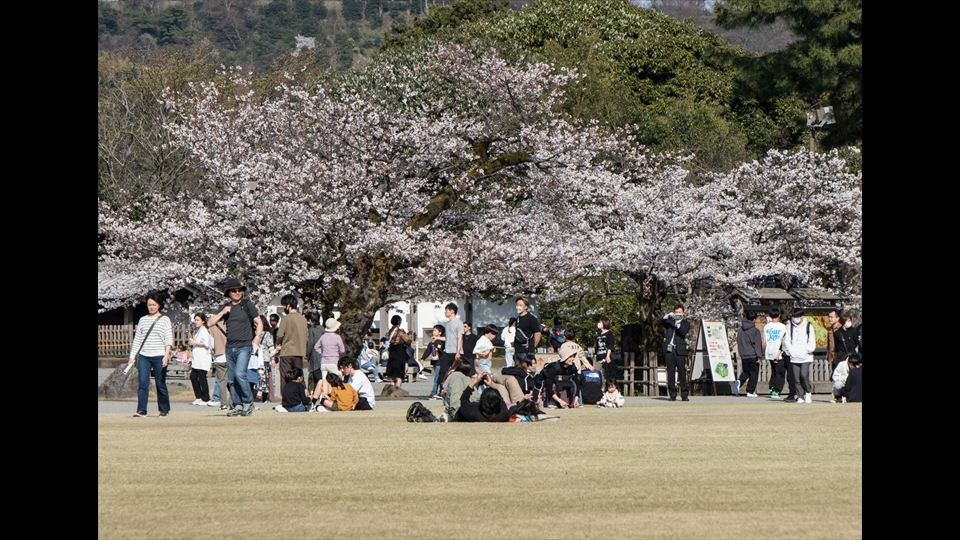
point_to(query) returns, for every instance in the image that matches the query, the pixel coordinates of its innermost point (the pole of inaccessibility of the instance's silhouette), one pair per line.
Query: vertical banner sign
(718, 351)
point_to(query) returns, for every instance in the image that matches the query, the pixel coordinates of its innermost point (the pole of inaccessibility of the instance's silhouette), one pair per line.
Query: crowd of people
(238, 344)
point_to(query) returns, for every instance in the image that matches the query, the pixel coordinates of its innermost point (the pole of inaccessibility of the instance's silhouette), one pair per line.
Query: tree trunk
(359, 304)
(650, 300)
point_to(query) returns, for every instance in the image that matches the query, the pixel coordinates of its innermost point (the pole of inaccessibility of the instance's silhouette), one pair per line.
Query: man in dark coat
(748, 346)
(675, 350)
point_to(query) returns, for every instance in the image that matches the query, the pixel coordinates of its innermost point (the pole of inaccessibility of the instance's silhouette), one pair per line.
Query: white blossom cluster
(454, 174)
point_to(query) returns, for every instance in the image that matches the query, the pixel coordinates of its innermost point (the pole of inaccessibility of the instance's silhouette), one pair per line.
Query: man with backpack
(243, 333)
(799, 344)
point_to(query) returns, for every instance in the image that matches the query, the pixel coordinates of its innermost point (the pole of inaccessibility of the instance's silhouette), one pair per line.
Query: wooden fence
(639, 376)
(114, 340)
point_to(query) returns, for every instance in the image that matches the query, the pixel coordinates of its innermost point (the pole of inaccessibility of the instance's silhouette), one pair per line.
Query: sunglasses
(231, 291)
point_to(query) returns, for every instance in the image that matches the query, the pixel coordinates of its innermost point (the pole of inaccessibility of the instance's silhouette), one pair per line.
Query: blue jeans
(485, 365)
(144, 365)
(297, 408)
(372, 366)
(238, 358)
(436, 379)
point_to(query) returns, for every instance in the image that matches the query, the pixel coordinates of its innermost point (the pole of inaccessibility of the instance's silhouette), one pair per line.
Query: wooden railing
(114, 340)
(639, 376)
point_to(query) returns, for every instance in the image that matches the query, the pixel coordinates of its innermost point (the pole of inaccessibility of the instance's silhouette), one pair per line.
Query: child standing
(438, 342)
(483, 350)
(612, 398)
(295, 398)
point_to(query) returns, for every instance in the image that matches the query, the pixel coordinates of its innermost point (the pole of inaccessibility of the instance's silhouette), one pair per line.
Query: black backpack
(418, 413)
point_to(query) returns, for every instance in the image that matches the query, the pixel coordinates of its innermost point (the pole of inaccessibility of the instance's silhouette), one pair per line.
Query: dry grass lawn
(657, 470)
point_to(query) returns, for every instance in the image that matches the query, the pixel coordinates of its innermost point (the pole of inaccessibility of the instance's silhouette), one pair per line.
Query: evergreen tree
(825, 67)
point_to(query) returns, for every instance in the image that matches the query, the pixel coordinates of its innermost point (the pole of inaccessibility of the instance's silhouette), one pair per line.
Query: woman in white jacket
(507, 335)
(201, 358)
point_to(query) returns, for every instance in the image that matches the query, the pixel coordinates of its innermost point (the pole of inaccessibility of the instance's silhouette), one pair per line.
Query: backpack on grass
(418, 413)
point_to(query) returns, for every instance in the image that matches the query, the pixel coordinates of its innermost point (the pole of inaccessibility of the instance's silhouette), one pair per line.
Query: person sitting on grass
(458, 378)
(333, 395)
(559, 379)
(352, 375)
(852, 391)
(612, 398)
(524, 373)
(490, 408)
(295, 398)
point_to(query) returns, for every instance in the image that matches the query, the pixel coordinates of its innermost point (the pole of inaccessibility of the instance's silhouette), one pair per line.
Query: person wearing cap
(560, 378)
(291, 342)
(243, 333)
(330, 346)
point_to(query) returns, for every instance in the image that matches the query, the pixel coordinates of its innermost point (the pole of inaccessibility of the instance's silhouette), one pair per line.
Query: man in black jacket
(748, 346)
(675, 350)
(490, 408)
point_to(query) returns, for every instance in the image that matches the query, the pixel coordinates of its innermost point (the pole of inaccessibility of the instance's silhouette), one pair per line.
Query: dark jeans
(676, 363)
(777, 375)
(750, 374)
(198, 378)
(144, 365)
(791, 377)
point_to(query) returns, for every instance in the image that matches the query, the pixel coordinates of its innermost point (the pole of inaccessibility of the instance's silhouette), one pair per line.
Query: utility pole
(816, 119)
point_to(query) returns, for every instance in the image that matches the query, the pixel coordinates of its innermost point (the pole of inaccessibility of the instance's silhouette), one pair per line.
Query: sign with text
(713, 341)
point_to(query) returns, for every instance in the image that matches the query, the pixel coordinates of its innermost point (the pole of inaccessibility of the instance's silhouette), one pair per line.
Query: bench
(178, 370)
(413, 372)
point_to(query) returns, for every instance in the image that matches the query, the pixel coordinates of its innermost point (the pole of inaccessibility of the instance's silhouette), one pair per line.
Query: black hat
(233, 283)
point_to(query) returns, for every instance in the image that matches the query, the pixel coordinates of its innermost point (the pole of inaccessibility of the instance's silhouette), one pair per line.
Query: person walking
(675, 350)
(243, 332)
(201, 359)
(799, 344)
(151, 352)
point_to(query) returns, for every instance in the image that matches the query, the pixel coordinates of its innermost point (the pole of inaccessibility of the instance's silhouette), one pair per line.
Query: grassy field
(656, 470)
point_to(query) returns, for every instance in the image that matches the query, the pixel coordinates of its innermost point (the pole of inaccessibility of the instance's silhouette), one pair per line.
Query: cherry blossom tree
(436, 172)
(794, 215)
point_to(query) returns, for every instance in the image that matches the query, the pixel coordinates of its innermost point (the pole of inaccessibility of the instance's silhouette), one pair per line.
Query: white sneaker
(807, 398)
(213, 403)
(800, 400)
(279, 408)
(751, 395)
